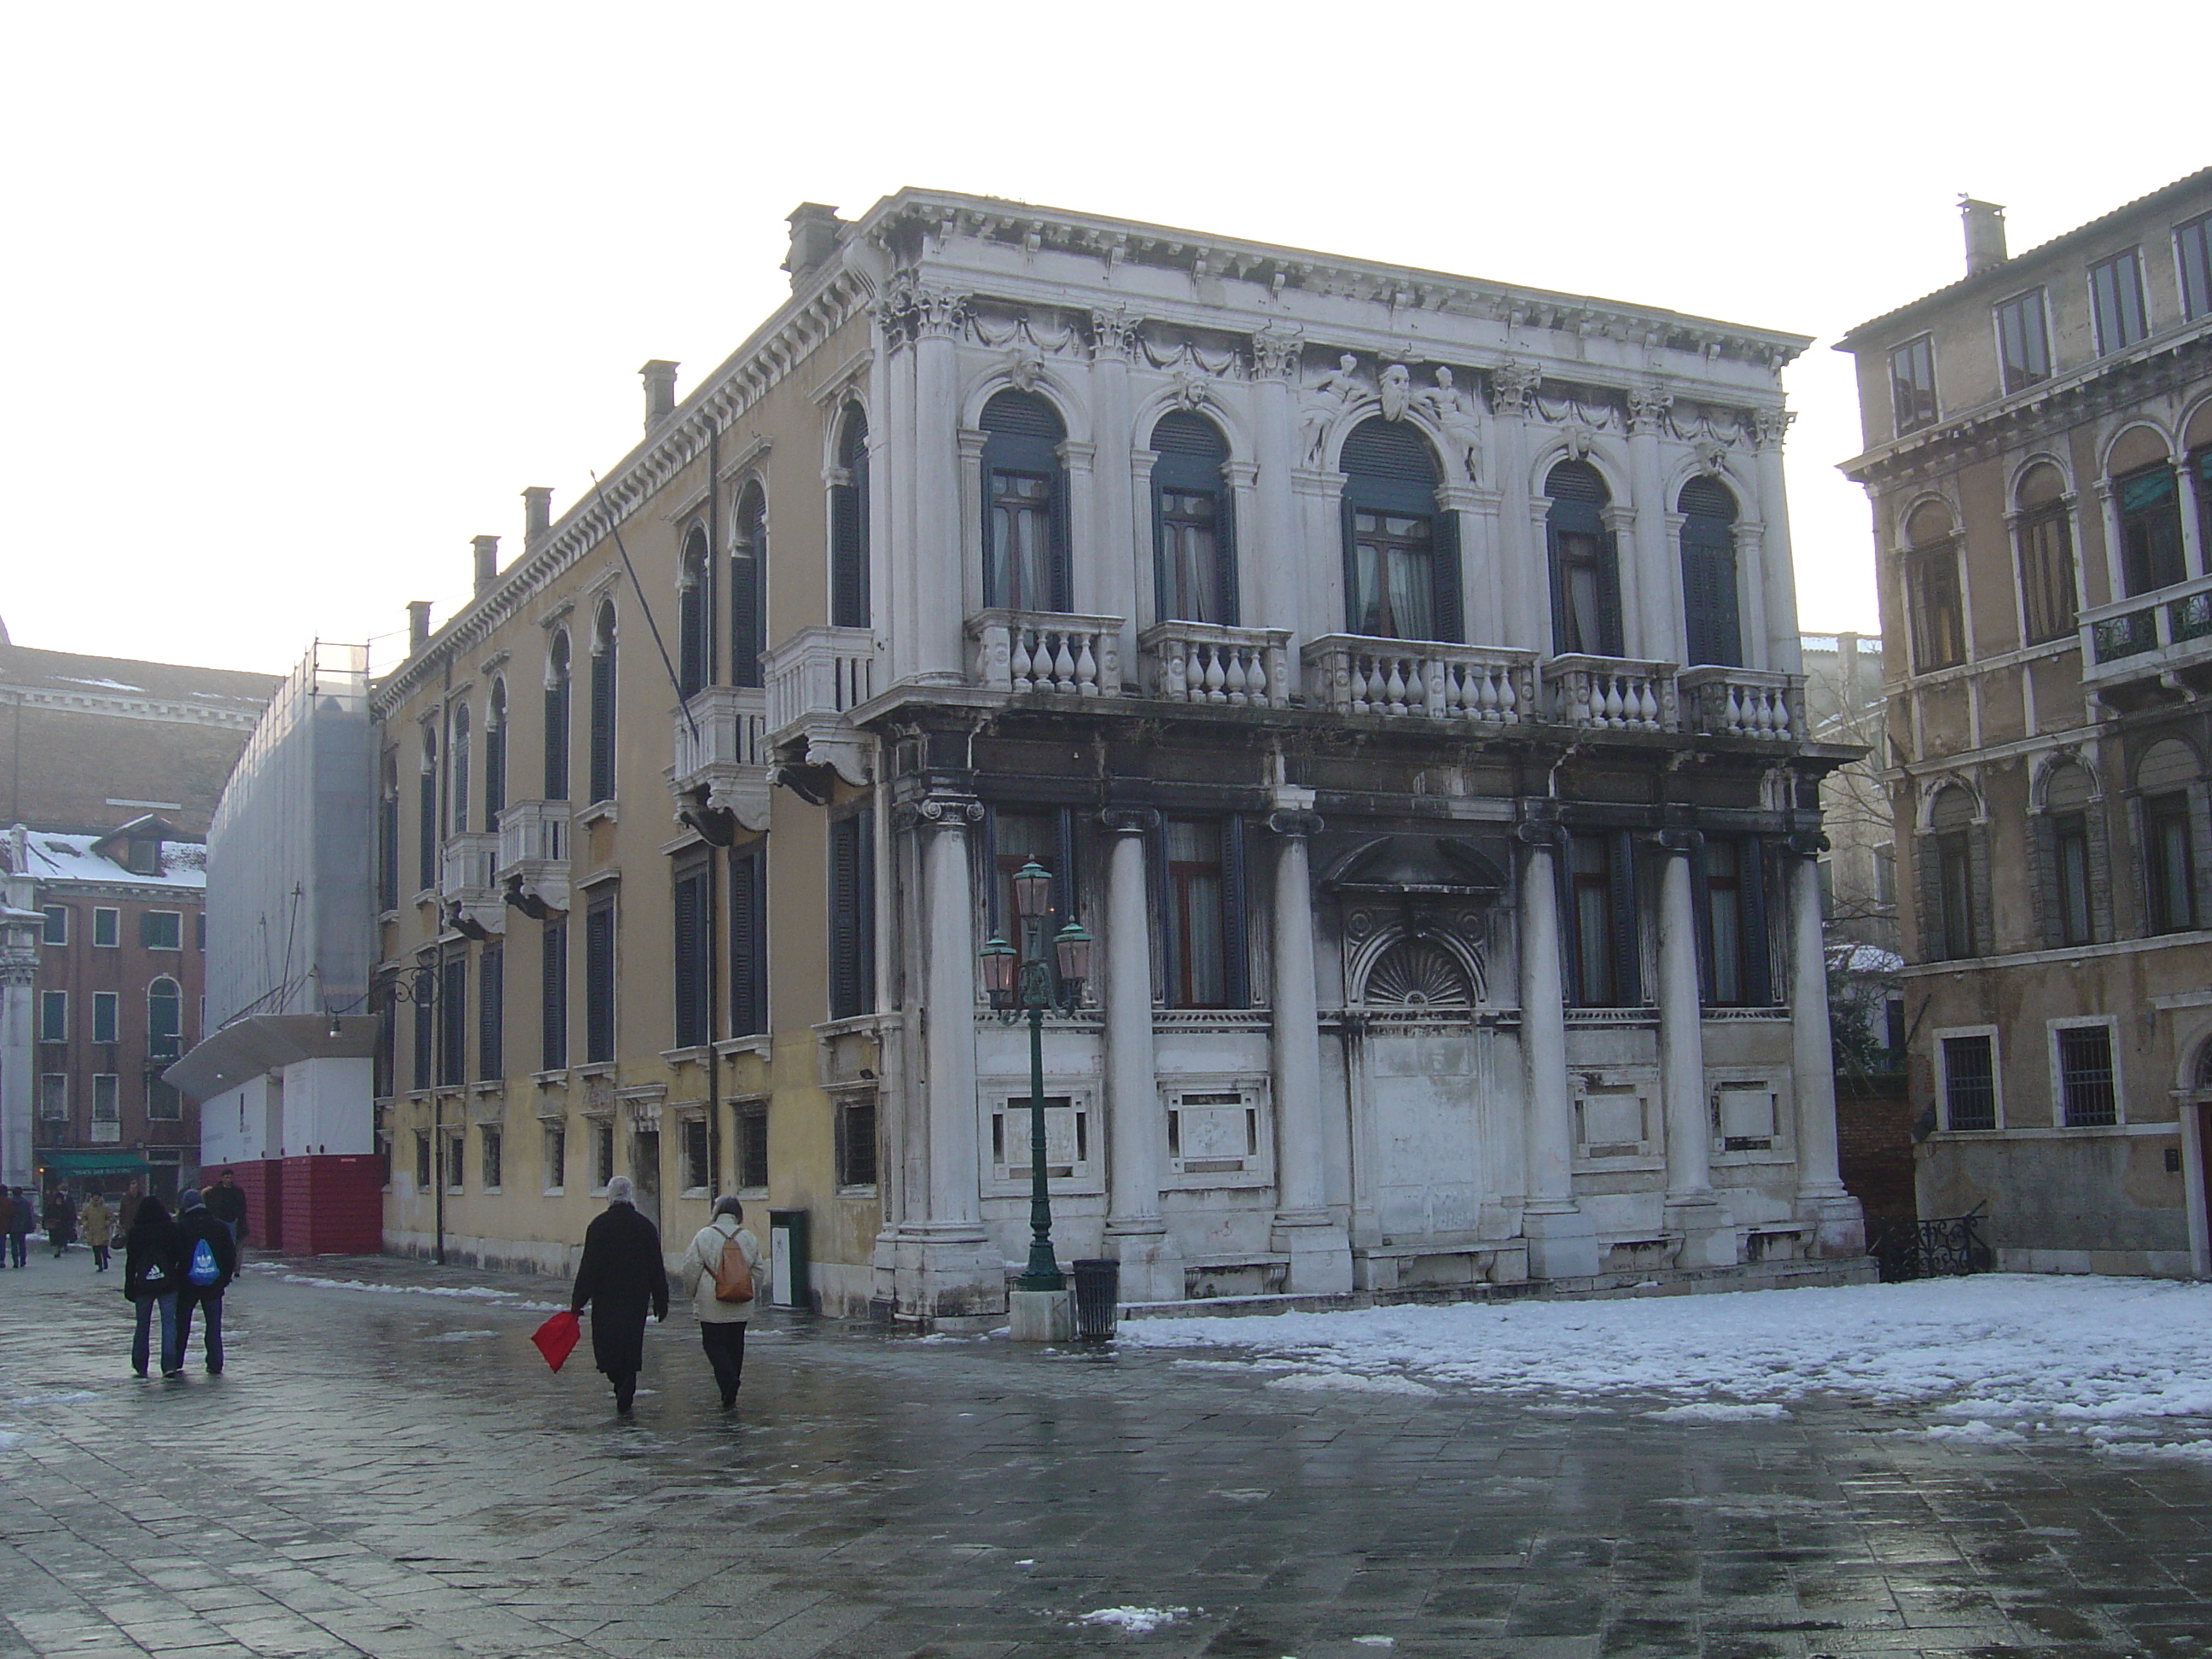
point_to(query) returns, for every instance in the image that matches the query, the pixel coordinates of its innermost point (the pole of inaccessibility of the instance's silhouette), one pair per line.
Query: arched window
(165, 1015)
(2072, 851)
(748, 587)
(2045, 536)
(848, 526)
(557, 718)
(1026, 549)
(494, 763)
(2148, 501)
(1937, 604)
(1194, 539)
(1585, 563)
(694, 618)
(2168, 778)
(426, 817)
(457, 770)
(602, 705)
(1400, 552)
(1713, 632)
(387, 835)
(1954, 880)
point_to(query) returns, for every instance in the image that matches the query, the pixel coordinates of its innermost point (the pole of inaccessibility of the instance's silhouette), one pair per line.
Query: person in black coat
(196, 1224)
(620, 1274)
(153, 1271)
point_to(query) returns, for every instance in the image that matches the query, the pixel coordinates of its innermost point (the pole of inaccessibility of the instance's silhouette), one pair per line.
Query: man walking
(210, 1262)
(227, 1203)
(621, 1273)
(21, 1226)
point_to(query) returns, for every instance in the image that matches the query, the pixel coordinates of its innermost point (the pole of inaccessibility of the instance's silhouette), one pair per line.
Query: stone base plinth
(1040, 1317)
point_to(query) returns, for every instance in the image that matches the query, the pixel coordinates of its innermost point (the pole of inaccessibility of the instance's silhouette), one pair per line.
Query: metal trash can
(1098, 1298)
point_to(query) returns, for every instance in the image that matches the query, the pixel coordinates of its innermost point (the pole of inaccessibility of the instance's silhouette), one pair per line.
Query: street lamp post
(1024, 980)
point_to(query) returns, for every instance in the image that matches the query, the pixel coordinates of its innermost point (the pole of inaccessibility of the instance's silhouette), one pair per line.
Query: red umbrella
(557, 1337)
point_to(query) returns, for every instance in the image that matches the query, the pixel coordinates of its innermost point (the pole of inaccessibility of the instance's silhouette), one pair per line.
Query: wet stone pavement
(395, 1473)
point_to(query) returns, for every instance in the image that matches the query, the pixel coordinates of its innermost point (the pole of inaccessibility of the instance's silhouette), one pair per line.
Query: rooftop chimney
(816, 231)
(537, 514)
(487, 549)
(659, 391)
(1985, 237)
(418, 626)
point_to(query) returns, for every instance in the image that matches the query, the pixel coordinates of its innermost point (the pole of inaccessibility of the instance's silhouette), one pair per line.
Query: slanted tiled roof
(223, 689)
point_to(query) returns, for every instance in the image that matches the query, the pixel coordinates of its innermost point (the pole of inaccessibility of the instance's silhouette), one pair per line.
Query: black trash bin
(1097, 1297)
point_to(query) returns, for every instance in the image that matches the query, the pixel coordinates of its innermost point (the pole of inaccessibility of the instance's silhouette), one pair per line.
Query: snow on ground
(1138, 1621)
(466, 1292)
(1990, 1356)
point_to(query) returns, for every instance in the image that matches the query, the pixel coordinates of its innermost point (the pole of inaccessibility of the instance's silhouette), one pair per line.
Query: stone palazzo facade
(1397, 673)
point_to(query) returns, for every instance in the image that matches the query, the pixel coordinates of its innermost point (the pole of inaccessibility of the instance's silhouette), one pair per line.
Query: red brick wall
(1874, 1144)
(333, 1205)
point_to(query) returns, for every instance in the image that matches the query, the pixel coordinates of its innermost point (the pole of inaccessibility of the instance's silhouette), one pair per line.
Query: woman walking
(96, 1222)
(61, 1221)
(153, 1273)
(723, 1291)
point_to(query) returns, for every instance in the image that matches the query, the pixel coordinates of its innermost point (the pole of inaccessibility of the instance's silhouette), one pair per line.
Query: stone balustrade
(1211, 663)
(1484, 685)
(720, 743)
(1026, 652)
(1744, 702)
(1612, 694)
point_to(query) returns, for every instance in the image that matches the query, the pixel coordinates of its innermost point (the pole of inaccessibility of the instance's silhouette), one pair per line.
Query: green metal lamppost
(1024, 980)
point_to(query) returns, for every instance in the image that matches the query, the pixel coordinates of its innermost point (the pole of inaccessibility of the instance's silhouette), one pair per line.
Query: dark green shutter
(1063, 570)
(426, 835)
(691, 945)
(748, 943)
(1628, 948)
(1224, 538)
(848, 558)
(852, 922)
(1701, 894)
(1167, 913)
(1609, 596)
(1450, 613)
(1758, 964)
(556, 738)
(1235, 919)
(603, 722)
(553, 996)
(491, 1013)
(453, 1033)
(1354, 620)
(495, 770)
(599, 982)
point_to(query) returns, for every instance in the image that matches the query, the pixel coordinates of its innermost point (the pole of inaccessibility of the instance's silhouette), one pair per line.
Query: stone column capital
(1129, 820)
(1295, 822)
(941, 812)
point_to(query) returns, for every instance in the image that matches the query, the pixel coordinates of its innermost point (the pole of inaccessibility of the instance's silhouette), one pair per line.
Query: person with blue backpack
(209, 1258)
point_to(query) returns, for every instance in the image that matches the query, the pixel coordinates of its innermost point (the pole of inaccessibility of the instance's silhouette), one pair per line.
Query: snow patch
(1718, 1411)
(466, 1293)
(64, 1397)
(1137, 1621)
(462, 1336)
(1978, 1432)
(1351, 1382)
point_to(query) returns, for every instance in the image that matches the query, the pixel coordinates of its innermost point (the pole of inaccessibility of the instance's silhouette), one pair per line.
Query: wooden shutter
(1450, 611)
(1702, 894)
(1166, 912)
(603, 723)
(491, 1013)
(553, 996)
(495, 772)
(1235, 954)
(599, 982)
(1608, 595)
(748, 943)
(1627, 944)
(1349, 513)
(1758, 953)
(453, 996)
(556, 738)
(1063, 875)
(848, 558)
(426, 835)
(852, 922)
(421, 1015)
(1063, 569)
(1224, 560)
(691, 925)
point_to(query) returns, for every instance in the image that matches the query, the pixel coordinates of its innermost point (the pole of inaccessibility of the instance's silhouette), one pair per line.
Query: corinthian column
(1562, 1240)
(1658, 620)
(1821, 1194)
(1784, 651)
(1134, 1232)
(1305, 1227)
(1708, 1238)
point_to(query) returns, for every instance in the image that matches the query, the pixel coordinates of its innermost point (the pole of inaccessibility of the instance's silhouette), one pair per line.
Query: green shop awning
(66, 1161)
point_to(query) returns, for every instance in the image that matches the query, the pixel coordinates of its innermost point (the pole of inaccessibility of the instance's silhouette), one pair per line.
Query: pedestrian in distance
(721, 1275)
(228, 1205)
(21, 1225)
(210, 1256)
(95, 1221)
(7, 1223)
(61, 1221)
(126, 1208)
(620, 1276)
(153, 1275)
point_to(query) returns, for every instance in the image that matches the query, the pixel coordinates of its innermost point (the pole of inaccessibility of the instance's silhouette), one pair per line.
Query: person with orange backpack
(721, 1272)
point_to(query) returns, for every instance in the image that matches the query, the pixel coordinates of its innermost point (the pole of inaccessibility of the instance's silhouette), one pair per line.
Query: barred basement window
(603, 1155)
(422, 1177)
(2116, 296)
(698, 1163)
(456, 1149)
(2085, 1076)
(856, 1142)
(1969, 1096)
(1913, 383)
(752, 1145)
(557, 1157)
(495, 1145)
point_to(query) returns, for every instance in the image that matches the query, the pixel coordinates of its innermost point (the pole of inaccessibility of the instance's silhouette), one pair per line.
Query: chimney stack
(487, 549)
(537, 514)
(816, 231)
(659, 391)
(1985, 234)
(418, 626)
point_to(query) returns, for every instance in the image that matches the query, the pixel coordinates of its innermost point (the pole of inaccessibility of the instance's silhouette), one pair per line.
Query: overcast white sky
(298, 298)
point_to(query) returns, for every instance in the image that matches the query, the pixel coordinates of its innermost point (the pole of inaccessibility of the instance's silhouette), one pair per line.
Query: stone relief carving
(1454, 413)
(1275, 351)
(1571, 409)
(1114, 334)
(1336, 391)
(1395, 389)
(1770, 426)
(1647, 408)
(1712, 453)
(1511, 384)
(914, 310)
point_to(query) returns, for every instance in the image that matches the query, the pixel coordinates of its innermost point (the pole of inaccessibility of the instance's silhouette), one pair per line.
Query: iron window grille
(1970, 1094)
(2086, 1078)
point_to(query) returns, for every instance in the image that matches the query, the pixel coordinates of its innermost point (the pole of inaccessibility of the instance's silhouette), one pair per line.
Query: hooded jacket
(153, 1237)
(195, 1223)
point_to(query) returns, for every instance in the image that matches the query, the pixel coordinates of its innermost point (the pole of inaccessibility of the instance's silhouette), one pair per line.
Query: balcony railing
(1744, 702)
(533, 849)
(721, 745)
(816, 678)
(468, 869)
(1612, 694)
(1023, 651)
(2149, 636)
(1210, 663)
(1356, 674)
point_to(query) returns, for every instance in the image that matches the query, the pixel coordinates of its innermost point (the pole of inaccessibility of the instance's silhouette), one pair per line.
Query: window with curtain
(602, 705)
(1603, 923)
(1955, 866)
(849, 604)
(558, 678)
(1026, 529)
(1584, 562)
(1734, 874)
(2151, 553)
(695, 620)
(1401, 551)
(1710, 609)
(1938, 610)
(2070, 848)
(748, 587)
(1197, 919)
(1195, 574)
(2169, 862)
